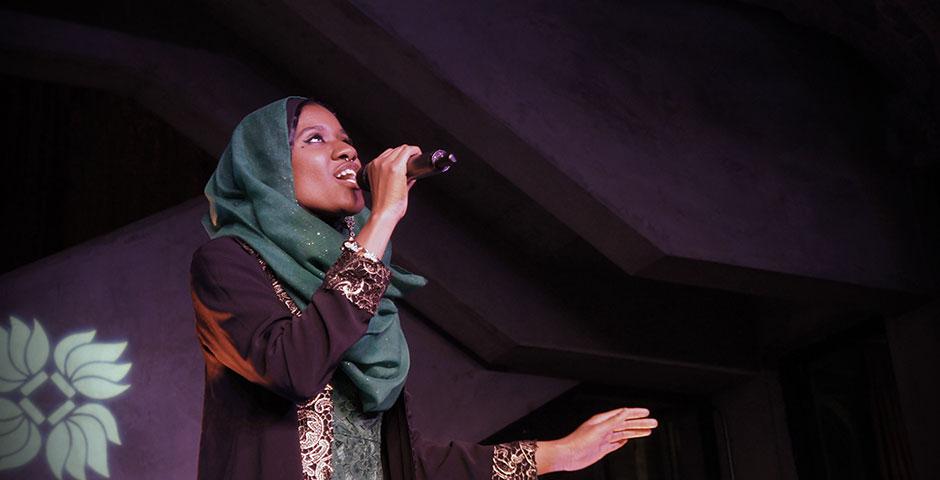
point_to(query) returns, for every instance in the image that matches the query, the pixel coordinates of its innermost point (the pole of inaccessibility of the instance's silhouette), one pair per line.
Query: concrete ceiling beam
(201, 94)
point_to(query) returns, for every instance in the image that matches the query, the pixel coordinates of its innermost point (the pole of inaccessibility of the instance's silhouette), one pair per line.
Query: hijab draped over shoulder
(251, 196)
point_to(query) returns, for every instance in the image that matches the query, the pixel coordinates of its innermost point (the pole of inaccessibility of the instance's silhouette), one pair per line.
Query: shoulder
(220, 248)
(221, 251)
(223, 257)
(226, 277)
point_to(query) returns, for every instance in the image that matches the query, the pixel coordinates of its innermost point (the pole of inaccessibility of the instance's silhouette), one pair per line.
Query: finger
(632, 413)
(380, 158)
(402, 154)
(390, 161)
(625, 435)
(623, 414)
(613, 447)
(384, 154)
(412, 182)
(638, 424)
(604, 416)
(392, 153)
(413, 151)
(408, 153)
(410, 149)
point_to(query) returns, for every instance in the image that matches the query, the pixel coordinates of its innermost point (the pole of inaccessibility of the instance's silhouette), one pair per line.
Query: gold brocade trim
(315, 426)
(314, 418)
(515, 461)
(361, 280)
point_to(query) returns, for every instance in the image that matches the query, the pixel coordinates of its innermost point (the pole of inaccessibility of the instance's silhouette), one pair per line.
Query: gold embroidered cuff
(360, 279)
(515, 461)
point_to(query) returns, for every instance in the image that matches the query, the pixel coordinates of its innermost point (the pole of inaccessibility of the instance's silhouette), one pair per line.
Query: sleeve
(241, 323)
(447, 460)
(431, 460)
(515, 461)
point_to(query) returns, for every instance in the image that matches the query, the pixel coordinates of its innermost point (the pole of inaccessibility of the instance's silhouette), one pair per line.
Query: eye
(315, 138)
(349, 141)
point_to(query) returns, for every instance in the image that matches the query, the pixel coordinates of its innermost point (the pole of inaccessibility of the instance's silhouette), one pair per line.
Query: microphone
(418, 167)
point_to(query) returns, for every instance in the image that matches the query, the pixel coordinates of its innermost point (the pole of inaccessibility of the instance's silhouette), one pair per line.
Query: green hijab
(251, 196)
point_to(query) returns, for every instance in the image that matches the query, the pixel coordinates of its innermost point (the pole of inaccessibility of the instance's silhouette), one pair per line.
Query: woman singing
(305, 358)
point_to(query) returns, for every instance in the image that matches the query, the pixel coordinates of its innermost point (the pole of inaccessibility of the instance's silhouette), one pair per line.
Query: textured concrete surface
(729, 136)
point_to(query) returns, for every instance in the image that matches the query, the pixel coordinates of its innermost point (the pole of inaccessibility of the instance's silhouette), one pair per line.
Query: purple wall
(131, 285)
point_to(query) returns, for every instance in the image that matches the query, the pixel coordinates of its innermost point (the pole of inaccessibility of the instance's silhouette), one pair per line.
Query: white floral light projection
(80, 427)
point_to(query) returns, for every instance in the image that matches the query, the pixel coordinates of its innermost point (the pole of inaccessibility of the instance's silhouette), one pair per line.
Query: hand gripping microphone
(418, 167)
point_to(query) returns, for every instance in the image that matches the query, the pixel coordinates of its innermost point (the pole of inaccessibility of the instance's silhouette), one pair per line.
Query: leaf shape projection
(23, 353)
(19, 438)
(90, 366)
(80, 434)
(81, 441)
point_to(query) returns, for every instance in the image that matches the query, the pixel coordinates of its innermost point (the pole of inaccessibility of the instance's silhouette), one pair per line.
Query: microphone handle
(423, 165)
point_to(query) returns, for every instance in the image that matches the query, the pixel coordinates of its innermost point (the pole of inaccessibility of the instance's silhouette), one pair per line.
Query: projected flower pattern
(79, 434)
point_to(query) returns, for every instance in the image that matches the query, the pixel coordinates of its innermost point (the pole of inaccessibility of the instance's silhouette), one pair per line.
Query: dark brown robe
(262, 361)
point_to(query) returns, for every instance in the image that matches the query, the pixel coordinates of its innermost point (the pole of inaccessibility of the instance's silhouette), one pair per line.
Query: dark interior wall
(178, 22)
(82, 162)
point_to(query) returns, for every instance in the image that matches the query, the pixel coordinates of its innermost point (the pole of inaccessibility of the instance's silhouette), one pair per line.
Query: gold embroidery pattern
(361, 280)
(314, 418)
(515, 461)
(315, 425)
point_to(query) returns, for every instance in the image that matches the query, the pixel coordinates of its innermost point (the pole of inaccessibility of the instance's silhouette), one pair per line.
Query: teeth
(347, 174)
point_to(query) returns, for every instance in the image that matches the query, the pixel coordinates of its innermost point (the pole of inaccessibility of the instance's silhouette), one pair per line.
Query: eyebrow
(321, 128)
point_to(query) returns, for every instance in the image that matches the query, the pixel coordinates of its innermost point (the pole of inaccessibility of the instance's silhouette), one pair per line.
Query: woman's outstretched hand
(599, 435)
(389, 183)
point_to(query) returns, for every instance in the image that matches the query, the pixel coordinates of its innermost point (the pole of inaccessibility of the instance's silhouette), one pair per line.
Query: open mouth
(346, 175)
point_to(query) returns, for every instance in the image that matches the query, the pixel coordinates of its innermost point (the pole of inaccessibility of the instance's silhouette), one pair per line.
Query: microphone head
(419, 167)
(442, 161)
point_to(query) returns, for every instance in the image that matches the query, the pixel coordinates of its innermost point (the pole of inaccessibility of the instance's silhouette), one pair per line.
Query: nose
(345, 152)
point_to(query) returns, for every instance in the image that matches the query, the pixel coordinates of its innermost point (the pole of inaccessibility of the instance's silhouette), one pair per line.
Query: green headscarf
(251, 196)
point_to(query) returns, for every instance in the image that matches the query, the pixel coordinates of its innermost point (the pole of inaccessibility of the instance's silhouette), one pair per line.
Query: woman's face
(325, 165)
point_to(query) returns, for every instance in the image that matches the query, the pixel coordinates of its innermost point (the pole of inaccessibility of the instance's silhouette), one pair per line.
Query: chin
(359, 203)
(343, 206)
(353, 211)
(351, 208)
(336, 212)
